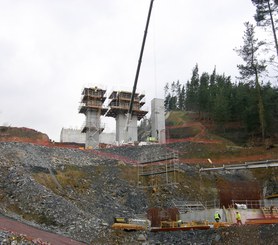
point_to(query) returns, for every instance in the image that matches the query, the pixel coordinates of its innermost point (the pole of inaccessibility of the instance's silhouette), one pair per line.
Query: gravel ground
(87, 214)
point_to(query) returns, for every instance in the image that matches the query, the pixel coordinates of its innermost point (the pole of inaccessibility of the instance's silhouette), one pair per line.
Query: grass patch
(38, 218)
(181, 117)
(177, 118)
(46, 180)
(184, 132)
(129, 173)
(74, 178)
(69, 177)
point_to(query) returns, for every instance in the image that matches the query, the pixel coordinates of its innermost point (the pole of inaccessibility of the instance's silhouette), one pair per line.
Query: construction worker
(217, 216)
(238, 218)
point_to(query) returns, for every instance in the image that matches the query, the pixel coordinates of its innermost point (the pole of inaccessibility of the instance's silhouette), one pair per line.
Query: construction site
(162, 193)
(183, 184)
(158, 165)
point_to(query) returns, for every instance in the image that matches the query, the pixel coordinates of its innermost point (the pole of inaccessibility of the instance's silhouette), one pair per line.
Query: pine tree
(253, 67)
(204, 93)
(265, 14)
(192, 91)
(182, 99)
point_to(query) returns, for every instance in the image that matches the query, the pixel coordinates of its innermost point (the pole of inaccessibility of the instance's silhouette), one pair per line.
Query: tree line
(249, 101)
(215, 97)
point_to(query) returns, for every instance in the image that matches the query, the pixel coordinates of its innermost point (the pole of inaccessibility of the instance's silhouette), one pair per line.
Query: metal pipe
(247, 165)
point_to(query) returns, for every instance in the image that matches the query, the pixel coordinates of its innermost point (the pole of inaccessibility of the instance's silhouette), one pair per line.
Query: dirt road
(34, 233)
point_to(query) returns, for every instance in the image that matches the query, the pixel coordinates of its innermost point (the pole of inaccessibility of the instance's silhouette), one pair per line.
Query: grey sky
(51, 49)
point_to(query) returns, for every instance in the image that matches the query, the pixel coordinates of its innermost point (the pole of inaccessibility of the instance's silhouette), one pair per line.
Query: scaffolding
(120, 101)
(188, 206)
(253, 204)
(126, 128)
(92, 107)
(154, 173)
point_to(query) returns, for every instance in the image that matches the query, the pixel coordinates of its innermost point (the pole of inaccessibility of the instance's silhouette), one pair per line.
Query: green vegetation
(227, 103)
(251, 102)
(6, 132)
(70, 177)
(227, 146)
(39, 218)
(266, 17)
(128, 173)
(177, 118)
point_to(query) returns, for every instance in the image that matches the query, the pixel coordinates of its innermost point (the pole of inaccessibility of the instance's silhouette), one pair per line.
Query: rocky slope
(77, 193)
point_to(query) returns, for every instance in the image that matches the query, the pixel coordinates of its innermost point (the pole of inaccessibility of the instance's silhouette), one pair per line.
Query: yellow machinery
(217, 225)
(131, 224)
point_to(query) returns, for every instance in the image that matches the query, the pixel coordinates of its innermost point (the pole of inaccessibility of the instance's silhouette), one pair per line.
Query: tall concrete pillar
(123, 133)
(92, 106)
(158, 120)
(93, 129)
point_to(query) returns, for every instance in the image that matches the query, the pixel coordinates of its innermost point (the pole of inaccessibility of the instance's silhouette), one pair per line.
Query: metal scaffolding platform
(188, 206)
(158, 173)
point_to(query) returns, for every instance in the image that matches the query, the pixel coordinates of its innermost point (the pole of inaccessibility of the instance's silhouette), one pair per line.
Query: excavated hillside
(77, 193)
(22, 135)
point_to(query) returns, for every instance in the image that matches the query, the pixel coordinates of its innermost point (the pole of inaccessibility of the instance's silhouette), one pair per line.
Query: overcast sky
(51, 49)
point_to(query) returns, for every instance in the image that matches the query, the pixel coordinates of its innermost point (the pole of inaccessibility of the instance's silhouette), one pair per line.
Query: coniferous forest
(251, 102)
(216, 98)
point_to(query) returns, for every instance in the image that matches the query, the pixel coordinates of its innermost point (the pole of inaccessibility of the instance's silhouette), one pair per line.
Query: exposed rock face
(77, 193)
(271, 186)
(81, 214)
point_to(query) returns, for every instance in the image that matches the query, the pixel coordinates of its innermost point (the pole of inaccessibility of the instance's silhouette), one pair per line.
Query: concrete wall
(158, 119)
(207, 214)
(227, 215)
(244, 213)
(107, 138)
(69, 135)
(75, 136)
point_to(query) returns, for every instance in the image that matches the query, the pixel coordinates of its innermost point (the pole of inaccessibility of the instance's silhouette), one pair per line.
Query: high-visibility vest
(216, 216)
(238, 217)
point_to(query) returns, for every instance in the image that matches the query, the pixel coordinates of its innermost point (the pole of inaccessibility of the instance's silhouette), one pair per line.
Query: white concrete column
(158, 120)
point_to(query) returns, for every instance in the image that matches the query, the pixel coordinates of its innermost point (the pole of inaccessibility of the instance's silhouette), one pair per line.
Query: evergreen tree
(212, 90)
(167, 102)
(223, 101)
(204, 93)
(166, 96)
(188, 96)
(266, 11)
(177, 94)
(252, 68)
(221, 110)
(182, 99)
(173, 103)
(192, 91)
(271, 108)
(166, 89)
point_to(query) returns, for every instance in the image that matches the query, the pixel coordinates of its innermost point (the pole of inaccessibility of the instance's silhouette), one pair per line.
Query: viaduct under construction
(92, 106)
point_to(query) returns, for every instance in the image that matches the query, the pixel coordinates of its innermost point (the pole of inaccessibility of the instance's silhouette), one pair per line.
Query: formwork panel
(237, 190)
